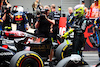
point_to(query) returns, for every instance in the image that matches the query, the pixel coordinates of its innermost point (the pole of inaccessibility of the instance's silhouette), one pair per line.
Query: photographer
(43, 25)
(44, 22)
(7, 16)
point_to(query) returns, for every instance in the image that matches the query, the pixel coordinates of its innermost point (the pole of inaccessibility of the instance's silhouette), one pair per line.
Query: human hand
(5, 11)
(51, 30)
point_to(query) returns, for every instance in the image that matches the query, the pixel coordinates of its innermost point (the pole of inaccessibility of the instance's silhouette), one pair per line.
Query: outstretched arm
(68, 32)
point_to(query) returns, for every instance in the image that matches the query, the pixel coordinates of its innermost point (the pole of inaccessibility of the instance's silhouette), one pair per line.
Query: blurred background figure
(83, 2)
(20, 19)
(37, 5)
(59, 9)
(86, 9)
(55, 28)
(69, 16)
(94, 9)
(7, 16)
(1, 3)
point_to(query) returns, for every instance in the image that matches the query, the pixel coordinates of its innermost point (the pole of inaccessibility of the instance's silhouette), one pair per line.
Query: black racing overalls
(79, 28)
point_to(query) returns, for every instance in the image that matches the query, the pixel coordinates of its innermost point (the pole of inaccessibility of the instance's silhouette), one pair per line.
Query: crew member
(20, 19)
(43, 25)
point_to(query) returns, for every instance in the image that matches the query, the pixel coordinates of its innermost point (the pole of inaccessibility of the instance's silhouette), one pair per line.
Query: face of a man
(70, 11)
(37, 1)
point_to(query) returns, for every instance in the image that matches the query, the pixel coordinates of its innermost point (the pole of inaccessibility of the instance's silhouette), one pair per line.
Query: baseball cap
(95, 0)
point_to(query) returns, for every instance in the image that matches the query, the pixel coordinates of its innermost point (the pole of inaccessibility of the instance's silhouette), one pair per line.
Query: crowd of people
(8, 17)
(47, 21)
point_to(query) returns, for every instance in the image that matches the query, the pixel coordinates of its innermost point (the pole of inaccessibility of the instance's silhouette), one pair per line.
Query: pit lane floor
(91, 57)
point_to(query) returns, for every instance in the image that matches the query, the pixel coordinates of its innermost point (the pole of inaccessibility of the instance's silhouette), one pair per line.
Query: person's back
(70, 13)
(21, 20)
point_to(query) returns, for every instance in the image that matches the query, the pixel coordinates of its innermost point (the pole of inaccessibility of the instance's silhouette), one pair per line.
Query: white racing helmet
(20, 9)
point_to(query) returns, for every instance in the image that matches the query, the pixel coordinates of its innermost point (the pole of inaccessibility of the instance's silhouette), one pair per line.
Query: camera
(4, 7)
(42, 13)
(8, 10)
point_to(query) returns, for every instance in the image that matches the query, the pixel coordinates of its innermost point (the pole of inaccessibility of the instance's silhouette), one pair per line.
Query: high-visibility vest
(94, 11)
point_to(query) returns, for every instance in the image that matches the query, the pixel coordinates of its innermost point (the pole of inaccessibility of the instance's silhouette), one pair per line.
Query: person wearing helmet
(77, 25)
(20, 19)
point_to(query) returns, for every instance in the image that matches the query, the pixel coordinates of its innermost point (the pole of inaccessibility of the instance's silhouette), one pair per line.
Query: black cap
(95, 0)
(83, 1)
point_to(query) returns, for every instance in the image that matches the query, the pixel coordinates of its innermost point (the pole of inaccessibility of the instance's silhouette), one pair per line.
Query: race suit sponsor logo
(6, 53)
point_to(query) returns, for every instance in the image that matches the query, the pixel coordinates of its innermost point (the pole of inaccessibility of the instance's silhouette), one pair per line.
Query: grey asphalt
(91, 57)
